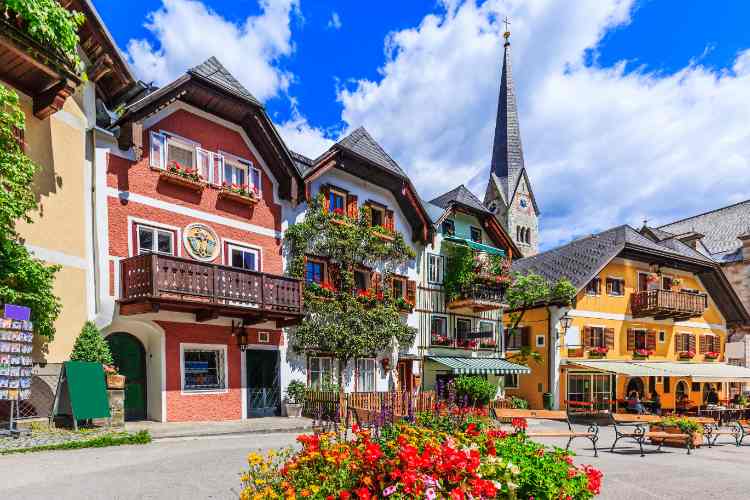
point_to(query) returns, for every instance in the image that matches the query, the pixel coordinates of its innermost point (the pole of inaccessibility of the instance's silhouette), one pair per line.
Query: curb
(233, 432)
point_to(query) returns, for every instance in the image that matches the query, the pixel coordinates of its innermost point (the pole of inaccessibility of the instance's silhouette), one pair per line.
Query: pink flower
(430, 494)
(390, 490)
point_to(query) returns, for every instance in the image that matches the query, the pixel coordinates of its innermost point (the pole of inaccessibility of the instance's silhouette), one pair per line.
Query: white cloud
(335, 21)
(603, 146)
(187, 33)
(302, 137)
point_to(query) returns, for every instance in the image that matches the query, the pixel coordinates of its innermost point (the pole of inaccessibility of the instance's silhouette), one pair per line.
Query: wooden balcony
(480, 297)
(152, 282)
(667, 304)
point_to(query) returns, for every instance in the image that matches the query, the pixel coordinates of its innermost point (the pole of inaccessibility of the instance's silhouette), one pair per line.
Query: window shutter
(411, 291)
(703, 344)
(526, 336)
(690, 342)
(217, 176)
(631, 339)
(334, 275)
(651, 340)
(377, 282)
(609, 286)
(609, 338)
(586, 336)
(715, 343)
(351, 206)
(388, 222)
(326, 191)
(204, 163)
(666, 385)
(158, 154)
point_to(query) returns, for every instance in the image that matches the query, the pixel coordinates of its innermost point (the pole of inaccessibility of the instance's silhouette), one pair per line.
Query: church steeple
(509, 193)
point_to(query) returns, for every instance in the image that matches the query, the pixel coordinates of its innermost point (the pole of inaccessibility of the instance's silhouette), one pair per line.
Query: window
(662, 337)
(435, 268)
(315, 271)
(523, 203)
(540, 340)
(647, 281)
(361, 279)
(264, 337)
(510, 381)
(593, 287)
(476, 234)
(666, 282)
(449, 227)
(321, 372)
(682, 342)
(204, 368)
(255, 178)
(513, 339)
(366, 375)
(596, 336)
(154, 240)
(235, 172)
(641, 341)
(243, 258)
(180, 152)
(487, 327)
(616, 286)
(463, 327)
(377, 216)
(337, 201)
(439, 330)
(398, 285)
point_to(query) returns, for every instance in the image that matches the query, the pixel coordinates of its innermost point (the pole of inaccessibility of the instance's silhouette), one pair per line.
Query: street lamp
(566, 322)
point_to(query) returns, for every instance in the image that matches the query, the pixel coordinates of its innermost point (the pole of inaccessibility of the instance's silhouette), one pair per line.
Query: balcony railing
(663, 304)
(480, 297)
(185, 284)
(469, 341)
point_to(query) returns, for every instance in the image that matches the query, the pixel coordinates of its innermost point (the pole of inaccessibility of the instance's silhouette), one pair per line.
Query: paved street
(208, 468)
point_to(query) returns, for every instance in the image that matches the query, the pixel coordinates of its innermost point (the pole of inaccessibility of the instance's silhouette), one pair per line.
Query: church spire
(507, 153)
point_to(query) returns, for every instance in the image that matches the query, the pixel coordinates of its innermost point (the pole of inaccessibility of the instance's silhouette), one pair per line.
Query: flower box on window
(466, 344)
(178, 175)
(384, 233)
(598, 352)
(243, 195)
(441, 340)
(323, 291)
(686, 354)
(642, 353)
(711, 356)
(339, 217)
(369, 297)
(487, 344)
(404, 305)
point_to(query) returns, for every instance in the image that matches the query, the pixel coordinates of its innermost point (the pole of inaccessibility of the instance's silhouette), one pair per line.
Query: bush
(295, 392)
(91, 346)
(519, 403)
(685, 425)
(474, 390)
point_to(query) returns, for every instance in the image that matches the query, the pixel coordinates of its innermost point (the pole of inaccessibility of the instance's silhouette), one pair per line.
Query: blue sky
(632, 88)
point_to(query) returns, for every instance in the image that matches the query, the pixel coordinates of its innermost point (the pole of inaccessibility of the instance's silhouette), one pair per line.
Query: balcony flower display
(599, 352)
(404, 305)
(686, 354)
(441, 340)
(711, 355)
(241, 189)
(369, 297)
(323, 290)
(643, 353)
(175, 168)
(487, 344)
(467, 344)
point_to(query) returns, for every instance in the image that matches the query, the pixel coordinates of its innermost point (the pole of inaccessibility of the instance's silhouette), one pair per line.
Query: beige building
(61, 120)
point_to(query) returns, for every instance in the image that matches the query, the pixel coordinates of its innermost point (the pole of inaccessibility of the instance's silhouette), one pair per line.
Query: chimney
(745, 239)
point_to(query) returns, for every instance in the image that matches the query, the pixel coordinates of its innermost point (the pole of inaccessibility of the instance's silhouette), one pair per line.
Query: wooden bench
(713, 429)
(638, 431)
(743, 429)
(592, 433)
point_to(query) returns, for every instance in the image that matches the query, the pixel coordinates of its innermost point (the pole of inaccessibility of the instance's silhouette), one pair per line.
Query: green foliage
(519, 403)
(336, 321)
(295, 392)
(524, 355)
(474, 390)
(90, 346)
(466, 267)
(113, 439)
(50, 24)
(685, 425)
(530, 290)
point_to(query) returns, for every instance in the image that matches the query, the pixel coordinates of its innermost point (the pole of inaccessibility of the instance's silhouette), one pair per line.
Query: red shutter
(326, 191)
(651, 340)
(586, 336)
(703, 344)
(351, 206)
(411, 291)
(334, 275)
(609, 338)
(388, 223)
(690, 342)
(631, 339)
(716, 343)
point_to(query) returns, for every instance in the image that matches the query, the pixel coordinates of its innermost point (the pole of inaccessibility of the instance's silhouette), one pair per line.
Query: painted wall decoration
(201, 242)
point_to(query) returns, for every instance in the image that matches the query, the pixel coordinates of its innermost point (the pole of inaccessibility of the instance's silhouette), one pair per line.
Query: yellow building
(62, 109)
(651, 315)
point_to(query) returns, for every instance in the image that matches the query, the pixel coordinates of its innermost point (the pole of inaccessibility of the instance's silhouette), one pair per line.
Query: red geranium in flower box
(686, 354)
(181, 176)
(643, 353)
(239, 193)
(711, 355)
(599, 352)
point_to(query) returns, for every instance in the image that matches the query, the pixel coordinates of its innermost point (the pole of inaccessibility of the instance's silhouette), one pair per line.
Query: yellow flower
(254, 459)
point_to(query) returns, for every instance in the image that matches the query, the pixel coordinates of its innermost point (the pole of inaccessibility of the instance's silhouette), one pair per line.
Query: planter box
(293, 410)
(115, 381)
(178, 180)
(384, 236)
(237, 198)
(677, 442)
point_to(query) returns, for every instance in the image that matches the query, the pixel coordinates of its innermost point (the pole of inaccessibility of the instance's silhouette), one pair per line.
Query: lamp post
(566, 322)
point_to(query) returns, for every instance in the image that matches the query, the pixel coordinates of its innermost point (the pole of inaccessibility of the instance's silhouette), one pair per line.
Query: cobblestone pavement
(47, 437)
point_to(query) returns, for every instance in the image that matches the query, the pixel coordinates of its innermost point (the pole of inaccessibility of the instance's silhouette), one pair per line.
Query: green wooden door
(263, 397)
(130, 358)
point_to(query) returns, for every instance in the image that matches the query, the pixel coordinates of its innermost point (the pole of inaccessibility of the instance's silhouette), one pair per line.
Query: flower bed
(679, 426)
(442, 455)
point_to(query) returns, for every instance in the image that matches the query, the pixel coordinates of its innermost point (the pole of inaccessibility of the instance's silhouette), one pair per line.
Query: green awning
(481, 247)
(494, 366)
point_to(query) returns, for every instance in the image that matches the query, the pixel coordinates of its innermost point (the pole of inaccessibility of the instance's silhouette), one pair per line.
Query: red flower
(345, 495)
(519, 424)
(363, 493)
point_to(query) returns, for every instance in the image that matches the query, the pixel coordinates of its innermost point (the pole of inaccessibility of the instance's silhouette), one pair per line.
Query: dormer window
(449, 228)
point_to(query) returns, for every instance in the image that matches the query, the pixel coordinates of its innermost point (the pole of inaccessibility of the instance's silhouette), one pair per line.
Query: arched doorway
(130, 358)
(682, 390)
(634, 384)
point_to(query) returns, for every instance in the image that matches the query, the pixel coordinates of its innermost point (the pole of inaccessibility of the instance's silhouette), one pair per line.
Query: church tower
(509, 195)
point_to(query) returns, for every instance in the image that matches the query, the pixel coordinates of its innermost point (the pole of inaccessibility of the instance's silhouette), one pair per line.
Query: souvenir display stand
(16, 344)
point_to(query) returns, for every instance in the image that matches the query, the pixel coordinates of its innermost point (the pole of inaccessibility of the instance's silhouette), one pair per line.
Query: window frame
(231, 245)
(156, 230)
(191, 347)
(512, 335)
(514, 376)
(440, 270)
(598, 291)
(448, 223)
(375, 208)
(358, 374)
(404, 284)
(478, 230)
(446, 330)
(323, 269)
(536, 341)
(332, 362)
(368, 278)
(619, 280)
(640, 332)
(661, 337)
(333, 193)
(597, 333)
(184, 144)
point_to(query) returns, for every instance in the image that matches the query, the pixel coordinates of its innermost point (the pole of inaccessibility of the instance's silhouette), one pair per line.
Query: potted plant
(598, 352)
(114, 379)
(295, 398)
(711, 356)
(686, 354)
(90, 346)
(642, 353)
(672, 425)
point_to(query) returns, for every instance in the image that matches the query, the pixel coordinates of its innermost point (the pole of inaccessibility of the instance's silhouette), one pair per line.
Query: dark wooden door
(263, 391)
(405, 379)
(129, 357)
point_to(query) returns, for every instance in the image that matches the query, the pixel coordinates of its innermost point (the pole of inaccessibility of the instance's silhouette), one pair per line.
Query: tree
(91, 346)
(528, 291)
(339, 319)
(23, 279)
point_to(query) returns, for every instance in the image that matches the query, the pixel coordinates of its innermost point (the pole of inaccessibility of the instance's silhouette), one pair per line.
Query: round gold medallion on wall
(201, 242)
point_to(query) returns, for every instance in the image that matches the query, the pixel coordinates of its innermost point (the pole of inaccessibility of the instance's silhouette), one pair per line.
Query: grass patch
(140, 437)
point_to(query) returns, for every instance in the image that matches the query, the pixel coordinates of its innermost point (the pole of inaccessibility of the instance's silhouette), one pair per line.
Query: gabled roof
(213, 71)
(720, 228)
(302, 162)
(581, 260)
(460, 195)
(361, 143)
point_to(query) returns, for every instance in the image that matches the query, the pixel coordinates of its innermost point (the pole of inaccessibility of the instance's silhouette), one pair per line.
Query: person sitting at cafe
(655, 404)
(683, 402)
(712, 398)
(634, 403)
